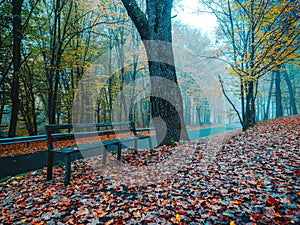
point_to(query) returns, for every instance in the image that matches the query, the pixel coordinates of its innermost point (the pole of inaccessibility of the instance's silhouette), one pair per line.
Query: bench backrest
(58, 132)
(23, 139)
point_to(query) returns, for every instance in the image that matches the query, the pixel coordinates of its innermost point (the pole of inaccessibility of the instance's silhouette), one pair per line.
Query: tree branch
(230, 102)
(138, 17)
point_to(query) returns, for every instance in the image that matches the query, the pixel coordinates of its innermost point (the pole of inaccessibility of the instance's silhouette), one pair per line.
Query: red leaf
(181, 211)
(272, 201)
(22, 203)
(256, 216)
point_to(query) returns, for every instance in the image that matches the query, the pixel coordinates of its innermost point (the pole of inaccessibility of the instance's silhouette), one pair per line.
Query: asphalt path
(196, 134)
(10, 166)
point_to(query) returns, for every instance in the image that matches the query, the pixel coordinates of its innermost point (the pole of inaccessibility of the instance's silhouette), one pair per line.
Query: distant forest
(247, 72)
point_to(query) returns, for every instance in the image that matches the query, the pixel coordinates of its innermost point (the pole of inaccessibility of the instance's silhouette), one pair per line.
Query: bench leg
(68, 169)
(119, 152)
(150, 143)
(104, 155)
(50, 165)
(135, 146)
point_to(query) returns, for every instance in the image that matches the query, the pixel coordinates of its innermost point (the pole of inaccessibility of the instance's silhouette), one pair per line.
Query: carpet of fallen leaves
(234, 178)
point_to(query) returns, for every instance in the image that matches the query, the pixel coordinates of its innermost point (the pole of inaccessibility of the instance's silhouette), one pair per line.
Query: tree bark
(250, 106)
(166, 100)
(2, 106)
(279, 109)
(258, 106)
(15, 86)
(250, 96)
(242, 120)
(51, 75)
(198, 110)
(188, 112)
(266, 116)
(291, 93)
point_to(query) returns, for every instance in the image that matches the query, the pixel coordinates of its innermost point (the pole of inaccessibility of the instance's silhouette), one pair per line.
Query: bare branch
(229, 100)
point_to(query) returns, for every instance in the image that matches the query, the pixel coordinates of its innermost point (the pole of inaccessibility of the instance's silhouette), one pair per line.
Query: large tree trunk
(165, 104)
(166, 100)
(15, 86)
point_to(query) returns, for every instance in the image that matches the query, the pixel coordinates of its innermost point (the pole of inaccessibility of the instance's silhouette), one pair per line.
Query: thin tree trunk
(59, 31)
(250, 107)
(187, 108)
(258, 104)
(198, 110)
(15, 86)
(207, 116)
(242, 101)
(2, 101)
(29, 104)
(241, 118)
(291, 93)
(135, 58)
(142, 107)
(123, 102)
(110, 85)
(279, 109)
(51, 75)
(267, 113)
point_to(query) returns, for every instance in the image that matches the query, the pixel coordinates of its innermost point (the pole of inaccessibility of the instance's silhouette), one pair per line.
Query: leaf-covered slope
(254, 178)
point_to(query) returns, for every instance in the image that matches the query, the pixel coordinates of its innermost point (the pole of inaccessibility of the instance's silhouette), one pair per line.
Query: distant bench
(90, 132)
(24, 139)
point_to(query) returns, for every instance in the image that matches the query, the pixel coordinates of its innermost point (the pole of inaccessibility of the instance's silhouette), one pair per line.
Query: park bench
(91, 132)
(20, 140)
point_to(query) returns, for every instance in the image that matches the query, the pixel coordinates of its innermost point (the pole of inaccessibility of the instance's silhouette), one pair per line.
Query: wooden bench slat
(63, 150)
